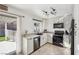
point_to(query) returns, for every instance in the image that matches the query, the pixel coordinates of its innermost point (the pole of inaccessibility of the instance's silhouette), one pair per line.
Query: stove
(58, 38)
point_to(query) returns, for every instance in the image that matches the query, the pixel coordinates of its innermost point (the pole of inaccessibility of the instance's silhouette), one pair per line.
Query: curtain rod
(11, 13)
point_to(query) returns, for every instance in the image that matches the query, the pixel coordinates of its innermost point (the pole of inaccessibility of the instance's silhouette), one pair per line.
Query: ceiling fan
(53, 11)
(45, 12)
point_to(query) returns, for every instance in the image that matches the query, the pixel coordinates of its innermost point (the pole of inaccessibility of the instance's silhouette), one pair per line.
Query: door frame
(72, 37)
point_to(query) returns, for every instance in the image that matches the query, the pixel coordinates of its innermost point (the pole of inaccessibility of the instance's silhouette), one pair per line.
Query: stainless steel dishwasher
(36, 43)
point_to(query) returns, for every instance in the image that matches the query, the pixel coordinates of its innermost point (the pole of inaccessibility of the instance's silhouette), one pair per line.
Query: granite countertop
(35, 35)
(31, 35)
(49, 32)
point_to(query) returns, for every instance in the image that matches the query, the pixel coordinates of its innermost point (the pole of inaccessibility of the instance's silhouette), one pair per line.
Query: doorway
(7, 35)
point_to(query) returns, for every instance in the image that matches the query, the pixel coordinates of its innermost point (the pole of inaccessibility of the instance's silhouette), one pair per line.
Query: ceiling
(35, 9)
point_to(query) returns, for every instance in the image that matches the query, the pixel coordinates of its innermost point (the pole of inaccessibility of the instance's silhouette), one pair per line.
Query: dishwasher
(36, 43)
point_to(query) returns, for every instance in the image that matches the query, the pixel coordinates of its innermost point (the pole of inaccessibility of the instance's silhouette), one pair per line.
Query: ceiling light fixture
(52, 11)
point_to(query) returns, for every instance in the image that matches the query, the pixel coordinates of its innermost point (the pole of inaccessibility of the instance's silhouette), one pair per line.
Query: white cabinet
(24, 45)
(66, 41)
(49, 38)
(29, 45)
(46, 37)
(43, 39)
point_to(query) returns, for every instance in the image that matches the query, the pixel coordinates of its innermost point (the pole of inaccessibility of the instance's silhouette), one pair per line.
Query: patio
(7, 36)
(7, 47)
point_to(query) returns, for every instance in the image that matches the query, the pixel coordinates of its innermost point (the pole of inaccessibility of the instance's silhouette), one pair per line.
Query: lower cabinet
(25, 45)
(66, 41)
(30, 45)
(43, 39)
(50, 38)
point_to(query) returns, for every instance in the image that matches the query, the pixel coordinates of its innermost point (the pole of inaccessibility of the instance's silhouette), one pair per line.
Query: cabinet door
(42, 41)
(50, 38)
(25, 45)
(29, 45)
(45, 38)
(66, 41)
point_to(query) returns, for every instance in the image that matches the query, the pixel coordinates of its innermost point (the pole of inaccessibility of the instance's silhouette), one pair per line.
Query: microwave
(58, 25)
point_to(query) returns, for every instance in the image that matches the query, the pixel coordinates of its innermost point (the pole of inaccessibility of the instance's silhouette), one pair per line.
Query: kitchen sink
(39, 34)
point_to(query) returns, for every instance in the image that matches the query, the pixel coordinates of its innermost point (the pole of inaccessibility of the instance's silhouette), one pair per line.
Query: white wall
(67, 22)
(76, 17)
(50, 23)
(27, 22)
(67, 27)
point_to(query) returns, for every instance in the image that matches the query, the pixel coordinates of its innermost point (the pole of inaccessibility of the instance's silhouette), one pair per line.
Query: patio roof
(10, 26)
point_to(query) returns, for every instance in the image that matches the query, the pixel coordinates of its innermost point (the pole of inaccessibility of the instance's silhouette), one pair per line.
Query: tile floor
(49, 49)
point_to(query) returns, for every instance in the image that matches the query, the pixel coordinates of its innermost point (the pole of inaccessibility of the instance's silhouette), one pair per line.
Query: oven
(58, 38)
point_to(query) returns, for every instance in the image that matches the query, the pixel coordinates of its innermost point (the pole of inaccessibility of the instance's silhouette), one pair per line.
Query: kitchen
(36, 41)
(44, 29)
(44, 34)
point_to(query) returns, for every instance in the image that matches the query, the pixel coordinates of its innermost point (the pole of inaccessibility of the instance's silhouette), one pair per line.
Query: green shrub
(2, 38)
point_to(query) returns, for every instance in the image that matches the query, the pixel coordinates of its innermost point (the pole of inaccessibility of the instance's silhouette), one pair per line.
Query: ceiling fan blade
(52, 13)
(53, 9)
(45, 12)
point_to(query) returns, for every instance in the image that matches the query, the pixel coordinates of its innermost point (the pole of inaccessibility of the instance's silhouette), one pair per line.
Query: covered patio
(10, 33)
